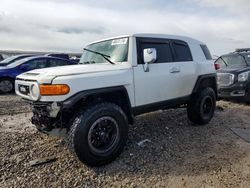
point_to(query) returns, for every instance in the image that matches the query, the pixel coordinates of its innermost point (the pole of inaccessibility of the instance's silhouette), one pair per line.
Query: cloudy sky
(68, 25)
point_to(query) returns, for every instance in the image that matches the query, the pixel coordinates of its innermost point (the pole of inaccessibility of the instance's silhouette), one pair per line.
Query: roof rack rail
(242, 50)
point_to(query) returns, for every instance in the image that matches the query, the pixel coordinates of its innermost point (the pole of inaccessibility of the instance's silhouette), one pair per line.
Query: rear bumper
(237, 91)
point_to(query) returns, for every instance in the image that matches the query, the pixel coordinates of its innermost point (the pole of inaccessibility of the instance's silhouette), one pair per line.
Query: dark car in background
(12, 59)
(59, 55)
(233, 75)
(8, 72)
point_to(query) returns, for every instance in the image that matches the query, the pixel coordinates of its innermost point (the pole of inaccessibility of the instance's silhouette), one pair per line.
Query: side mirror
(24, 67)
(149, 56)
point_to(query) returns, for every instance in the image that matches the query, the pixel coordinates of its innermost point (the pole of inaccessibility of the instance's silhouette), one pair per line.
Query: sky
(69, 25)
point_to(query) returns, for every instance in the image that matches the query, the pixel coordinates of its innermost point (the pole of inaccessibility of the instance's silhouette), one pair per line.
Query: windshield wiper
(106, 57)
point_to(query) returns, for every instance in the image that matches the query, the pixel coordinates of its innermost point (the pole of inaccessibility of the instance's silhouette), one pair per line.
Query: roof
(153, 35)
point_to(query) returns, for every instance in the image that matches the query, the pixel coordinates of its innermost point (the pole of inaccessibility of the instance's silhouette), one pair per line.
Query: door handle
(175, 70)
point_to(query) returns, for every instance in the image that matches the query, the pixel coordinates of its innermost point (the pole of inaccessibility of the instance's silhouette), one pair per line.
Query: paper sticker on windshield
(119, 41)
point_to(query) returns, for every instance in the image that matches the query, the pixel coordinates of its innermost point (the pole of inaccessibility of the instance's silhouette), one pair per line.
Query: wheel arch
(204, 81)
(117, 95)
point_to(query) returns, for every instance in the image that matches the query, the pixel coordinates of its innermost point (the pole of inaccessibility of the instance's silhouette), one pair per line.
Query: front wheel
(201, 107)
(98, 134)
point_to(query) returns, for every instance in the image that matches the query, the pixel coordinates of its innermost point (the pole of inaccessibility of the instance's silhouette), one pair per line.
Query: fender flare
(73, 100)
(201, 78)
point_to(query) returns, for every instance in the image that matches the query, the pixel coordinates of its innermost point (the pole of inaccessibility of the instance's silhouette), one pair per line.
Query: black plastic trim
(75, 98)
(201, 78)
(173, 103)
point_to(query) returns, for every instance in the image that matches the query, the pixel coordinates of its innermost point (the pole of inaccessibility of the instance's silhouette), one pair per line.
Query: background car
(12, 59)
(9, 72)
(233, 75)
(63, 56)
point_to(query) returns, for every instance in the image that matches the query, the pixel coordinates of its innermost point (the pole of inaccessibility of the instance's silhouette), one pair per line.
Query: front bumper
(46, 116)
(51, 116)
(237, 91)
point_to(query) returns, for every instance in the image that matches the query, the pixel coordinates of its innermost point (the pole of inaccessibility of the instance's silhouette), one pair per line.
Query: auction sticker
(119, 41)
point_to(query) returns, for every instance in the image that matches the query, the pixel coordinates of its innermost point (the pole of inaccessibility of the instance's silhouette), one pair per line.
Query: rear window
(206, 52)
(182, 51)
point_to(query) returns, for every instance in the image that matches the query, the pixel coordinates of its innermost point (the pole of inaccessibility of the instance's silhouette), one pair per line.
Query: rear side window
(163, 51)
(182, 51)
(57, 62)
(206, 52)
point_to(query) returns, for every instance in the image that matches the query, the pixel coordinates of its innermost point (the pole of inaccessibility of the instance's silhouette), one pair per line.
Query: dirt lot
(179, 154)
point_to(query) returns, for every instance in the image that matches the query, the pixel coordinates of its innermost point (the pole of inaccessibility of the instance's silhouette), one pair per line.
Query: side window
(182, 51)
(36, 64)
(163, 50)
(206, 52)
(57, 62)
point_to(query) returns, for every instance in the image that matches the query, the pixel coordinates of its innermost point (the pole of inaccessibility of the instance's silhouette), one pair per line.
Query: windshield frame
(105, 40)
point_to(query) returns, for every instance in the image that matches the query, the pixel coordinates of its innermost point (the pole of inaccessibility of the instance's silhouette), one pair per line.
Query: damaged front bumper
(53, 117)
(50, 117)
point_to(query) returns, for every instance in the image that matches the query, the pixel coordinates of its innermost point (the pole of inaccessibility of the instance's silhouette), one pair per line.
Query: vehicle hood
(234, 70)
(48, 74)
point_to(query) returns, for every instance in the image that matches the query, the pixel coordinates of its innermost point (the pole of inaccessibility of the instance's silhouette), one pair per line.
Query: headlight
(242, 77)
(34, 91)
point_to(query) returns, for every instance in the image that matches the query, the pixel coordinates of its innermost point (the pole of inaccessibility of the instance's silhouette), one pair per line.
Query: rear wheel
(98, 135)
(201, 108)
(6, 85)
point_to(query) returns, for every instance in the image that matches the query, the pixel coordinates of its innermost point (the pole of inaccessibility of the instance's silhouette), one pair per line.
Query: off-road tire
(77, 137)
(2, 91)
(195, 108)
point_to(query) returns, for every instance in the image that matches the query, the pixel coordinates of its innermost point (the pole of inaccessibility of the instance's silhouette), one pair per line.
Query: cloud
(78, 30)
(60, 25)
(239, 7)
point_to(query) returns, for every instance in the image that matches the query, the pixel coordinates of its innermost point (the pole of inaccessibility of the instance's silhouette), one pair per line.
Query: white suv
(91, 104)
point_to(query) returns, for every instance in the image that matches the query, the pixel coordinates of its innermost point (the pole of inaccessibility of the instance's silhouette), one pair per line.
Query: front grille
(225, 79)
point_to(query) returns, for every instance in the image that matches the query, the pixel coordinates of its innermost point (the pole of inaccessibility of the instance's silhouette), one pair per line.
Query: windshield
(12, 59)
(8, 60)
(232, 61)
(117, 49)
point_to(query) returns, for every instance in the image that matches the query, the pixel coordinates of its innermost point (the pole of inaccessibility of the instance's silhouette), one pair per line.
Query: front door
(160, 83)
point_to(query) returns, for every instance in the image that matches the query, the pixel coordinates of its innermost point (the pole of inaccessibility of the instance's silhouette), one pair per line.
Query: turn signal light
(57, 89)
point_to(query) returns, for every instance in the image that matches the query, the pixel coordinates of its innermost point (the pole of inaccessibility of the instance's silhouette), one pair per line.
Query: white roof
(153, 35)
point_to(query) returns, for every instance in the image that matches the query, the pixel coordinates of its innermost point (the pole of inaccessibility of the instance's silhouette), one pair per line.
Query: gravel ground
(178, 154)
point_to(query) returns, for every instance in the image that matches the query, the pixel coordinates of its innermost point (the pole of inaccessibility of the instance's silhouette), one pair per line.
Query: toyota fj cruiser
(117, 79)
